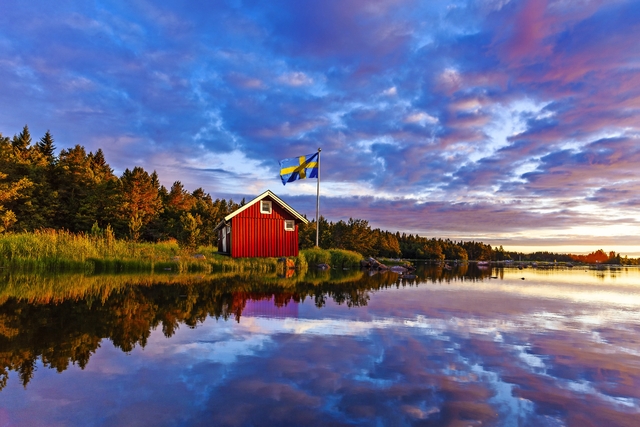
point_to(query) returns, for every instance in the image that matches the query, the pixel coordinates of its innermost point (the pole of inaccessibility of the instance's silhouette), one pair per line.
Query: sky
(515, 123)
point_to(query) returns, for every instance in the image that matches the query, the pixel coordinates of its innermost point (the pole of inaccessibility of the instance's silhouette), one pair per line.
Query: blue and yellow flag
(301, 167)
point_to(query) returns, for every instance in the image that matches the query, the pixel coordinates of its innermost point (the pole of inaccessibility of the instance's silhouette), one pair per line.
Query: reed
(315, 256)
(62, 251)
(341, 258)
(56, 245)
(301, 262)
(59, 250)
(336, 258)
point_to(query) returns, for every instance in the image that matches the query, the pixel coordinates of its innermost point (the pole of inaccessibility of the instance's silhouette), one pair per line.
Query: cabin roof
(273, 197)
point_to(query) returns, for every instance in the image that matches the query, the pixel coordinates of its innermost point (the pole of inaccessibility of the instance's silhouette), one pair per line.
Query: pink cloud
(529, 29)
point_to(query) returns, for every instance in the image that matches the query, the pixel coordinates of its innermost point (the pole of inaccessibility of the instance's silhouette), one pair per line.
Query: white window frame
(262, 206)
(289, 225)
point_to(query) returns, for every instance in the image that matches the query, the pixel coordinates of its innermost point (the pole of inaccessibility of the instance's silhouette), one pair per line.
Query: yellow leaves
(11, 190)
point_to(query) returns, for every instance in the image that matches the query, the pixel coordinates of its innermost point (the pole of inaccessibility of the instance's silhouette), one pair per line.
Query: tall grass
(64, 245)
(341, 258)
(315, 256)
(55, 250)
(301, 262)
(336, 258)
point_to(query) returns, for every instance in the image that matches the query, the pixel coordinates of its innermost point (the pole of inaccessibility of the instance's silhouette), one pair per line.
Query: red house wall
(255, 234)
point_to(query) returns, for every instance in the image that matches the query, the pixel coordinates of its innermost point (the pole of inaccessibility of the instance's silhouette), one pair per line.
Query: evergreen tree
(307, 235)
(190, 230)
(326, 233)
(45, 195)
(387, 244)
(177, 201)
(75, 185)
(210, 216)
(22, 142)
(46, 148)
(103, 197)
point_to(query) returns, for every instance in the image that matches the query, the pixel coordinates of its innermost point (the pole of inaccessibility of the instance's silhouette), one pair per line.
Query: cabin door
(226, 239)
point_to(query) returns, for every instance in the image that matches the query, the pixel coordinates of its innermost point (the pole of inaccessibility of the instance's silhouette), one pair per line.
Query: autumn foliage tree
(15, 182)
(598, 256)
(141, 201)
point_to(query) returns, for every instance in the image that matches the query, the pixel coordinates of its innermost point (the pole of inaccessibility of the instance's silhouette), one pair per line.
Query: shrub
(341, 258)
(316, 256)
(301, 262)
(336, 258)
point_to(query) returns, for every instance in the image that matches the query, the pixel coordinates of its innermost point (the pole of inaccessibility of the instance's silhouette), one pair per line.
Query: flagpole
(318, 203)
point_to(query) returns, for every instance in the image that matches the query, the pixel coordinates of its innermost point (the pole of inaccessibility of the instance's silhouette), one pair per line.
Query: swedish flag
(301, 167)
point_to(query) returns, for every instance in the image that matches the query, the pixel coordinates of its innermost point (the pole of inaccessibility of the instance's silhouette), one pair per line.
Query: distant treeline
(78, 191)
(595, 257)
(357, 235)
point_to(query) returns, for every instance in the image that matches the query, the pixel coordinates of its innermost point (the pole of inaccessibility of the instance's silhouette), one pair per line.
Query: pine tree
(177, 202)
(208, 211)
(74, 182)
(44, 197)
(46, 148)
(22, 141)
(101, 170)
(103, 195)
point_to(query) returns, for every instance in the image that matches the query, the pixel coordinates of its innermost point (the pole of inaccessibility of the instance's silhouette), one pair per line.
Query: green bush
(301, 262)
(341, 258)
(316, 256)
(336, 258)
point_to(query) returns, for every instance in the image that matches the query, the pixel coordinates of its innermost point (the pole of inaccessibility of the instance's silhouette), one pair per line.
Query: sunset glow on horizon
(512, 122)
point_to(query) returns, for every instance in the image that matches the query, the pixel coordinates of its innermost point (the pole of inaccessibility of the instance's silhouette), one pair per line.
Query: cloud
(296, 79)
(426, 101)
(599, 164)
(392, 91)
(421, 118)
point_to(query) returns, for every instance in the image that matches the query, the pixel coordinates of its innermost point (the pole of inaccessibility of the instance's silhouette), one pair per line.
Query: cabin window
(265, 207)
(289, 225)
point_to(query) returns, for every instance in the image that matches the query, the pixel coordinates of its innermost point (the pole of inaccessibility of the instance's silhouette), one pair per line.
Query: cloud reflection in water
(547, 352)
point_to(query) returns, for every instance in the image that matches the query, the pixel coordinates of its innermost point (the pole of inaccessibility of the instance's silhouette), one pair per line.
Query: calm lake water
(466, 347)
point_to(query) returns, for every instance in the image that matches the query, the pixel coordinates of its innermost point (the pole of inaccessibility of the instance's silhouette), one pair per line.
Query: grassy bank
(62, 251)
(336, 258)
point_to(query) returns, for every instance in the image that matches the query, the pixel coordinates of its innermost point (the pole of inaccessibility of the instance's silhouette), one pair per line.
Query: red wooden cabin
(264, 227)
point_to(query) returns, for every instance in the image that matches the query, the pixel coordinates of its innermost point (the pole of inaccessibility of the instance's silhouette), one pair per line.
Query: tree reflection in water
(62, 319)
(449, 347)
